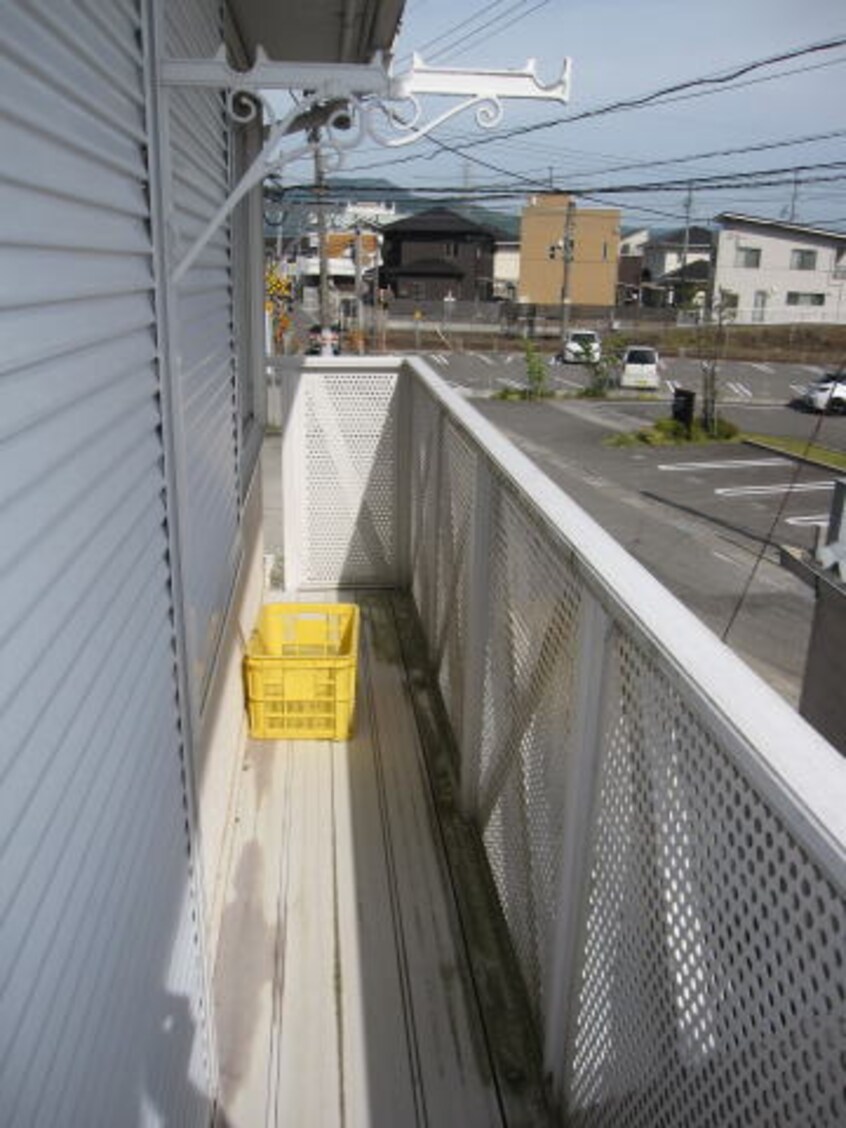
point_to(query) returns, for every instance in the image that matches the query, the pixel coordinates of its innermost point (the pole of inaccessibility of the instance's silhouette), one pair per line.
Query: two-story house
(769, 271)
(676, 266)
(439, 254)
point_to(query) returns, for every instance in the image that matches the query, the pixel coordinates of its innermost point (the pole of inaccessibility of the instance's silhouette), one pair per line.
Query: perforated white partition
(340, 473)
(667, 837)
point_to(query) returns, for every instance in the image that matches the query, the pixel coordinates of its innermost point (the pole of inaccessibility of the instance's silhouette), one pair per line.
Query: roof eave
(739, 219)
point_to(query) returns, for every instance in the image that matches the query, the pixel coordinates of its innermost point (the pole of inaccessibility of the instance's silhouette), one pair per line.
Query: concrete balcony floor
(364, 975)
(356, 983)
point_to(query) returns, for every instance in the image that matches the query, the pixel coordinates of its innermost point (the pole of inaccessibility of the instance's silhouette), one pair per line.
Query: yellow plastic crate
(300, 671)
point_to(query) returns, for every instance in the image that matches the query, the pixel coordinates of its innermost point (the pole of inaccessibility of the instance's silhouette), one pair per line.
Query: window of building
(749, 257)
(451, 250)
(803, 260)
(797, 299)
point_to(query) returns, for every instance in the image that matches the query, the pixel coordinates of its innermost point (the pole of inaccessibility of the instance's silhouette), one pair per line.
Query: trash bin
(683, 401)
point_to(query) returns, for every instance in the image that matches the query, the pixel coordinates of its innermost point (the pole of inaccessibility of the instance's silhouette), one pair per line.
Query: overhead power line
(466, 140)
(739, 150)
(484, 10)
(713, 85)
(443, 45)
(706, 84)
(476, 38)
(823, 172)
(762, 176)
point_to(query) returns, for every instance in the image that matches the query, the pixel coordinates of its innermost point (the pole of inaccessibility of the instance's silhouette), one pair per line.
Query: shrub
(725, 430)
(535, 370)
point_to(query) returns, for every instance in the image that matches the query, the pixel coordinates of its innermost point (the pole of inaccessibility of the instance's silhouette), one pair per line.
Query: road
(704, 520)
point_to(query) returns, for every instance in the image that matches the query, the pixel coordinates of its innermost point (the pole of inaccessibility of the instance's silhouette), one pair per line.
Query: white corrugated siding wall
(204, 343)
(101, 998)
(213, 332)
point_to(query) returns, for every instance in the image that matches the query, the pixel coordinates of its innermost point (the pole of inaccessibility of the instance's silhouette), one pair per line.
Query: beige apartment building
(595, 244)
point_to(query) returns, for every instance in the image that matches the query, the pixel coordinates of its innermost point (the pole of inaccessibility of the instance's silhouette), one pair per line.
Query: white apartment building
(772, 272)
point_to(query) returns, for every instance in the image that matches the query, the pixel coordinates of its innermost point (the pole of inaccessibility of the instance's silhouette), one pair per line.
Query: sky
(621, 49)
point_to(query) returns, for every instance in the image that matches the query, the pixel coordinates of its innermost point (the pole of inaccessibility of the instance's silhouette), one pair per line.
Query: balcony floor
(356, 984)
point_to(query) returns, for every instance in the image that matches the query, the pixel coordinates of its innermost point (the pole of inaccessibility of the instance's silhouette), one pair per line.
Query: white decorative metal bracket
(348, 102)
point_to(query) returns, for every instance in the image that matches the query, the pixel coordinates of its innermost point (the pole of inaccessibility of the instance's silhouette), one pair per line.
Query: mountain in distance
(342, 190)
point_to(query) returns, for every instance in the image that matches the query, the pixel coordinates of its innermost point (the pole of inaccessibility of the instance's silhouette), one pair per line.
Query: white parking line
(761, 367)
(799, 389)
(820, 519)
(815, 368)
(739, 389)
(726, 464)
(483, 358)
(671, 384)
(784, 487)
(569, 383)
(506, 383)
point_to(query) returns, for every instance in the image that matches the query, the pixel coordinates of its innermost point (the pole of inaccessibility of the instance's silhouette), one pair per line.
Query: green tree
(603, 371)
(535, 371)
(723, 312)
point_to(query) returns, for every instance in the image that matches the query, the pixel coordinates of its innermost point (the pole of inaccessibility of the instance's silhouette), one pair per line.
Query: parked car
(640, 368)
(580, 345)
(826, 394)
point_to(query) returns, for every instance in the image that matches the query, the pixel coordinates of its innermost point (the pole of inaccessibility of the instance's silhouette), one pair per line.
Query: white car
(580, 346)
(640, 368)
(826, 394)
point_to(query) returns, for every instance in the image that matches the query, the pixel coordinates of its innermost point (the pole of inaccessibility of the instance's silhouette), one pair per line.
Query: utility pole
(280, 220)
(688, 204)
(320, 191)
(794, 197)
(567, 254)
(359, 297)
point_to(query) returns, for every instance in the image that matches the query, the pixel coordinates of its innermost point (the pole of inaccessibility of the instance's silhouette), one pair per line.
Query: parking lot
(700, 517)
(752, 493)
(739, 381)
(756, 495)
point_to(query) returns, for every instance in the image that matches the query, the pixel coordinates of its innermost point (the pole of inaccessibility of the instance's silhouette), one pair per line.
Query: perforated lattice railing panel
(350, 512)
(455, 510)
(702, 977)
(425, 473)
(527, 705)
(712, 985)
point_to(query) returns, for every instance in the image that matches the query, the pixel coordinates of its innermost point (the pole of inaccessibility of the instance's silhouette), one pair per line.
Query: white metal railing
(667, 837)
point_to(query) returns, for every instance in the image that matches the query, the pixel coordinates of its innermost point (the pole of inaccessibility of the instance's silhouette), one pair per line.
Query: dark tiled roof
(504, 228)
(436, 221)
